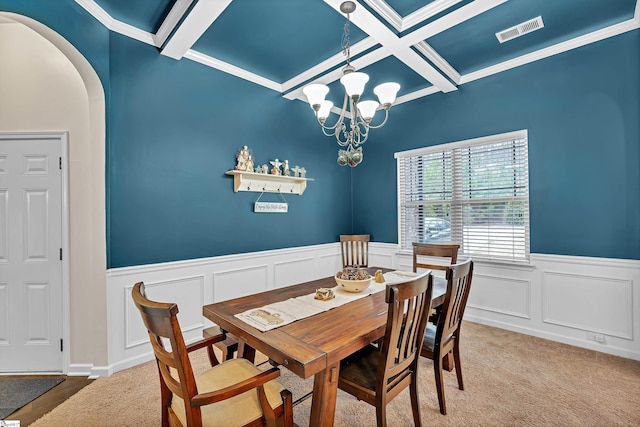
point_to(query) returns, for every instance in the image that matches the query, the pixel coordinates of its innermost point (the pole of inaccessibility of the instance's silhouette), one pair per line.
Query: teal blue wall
(582, 111)
(176, 127)
(173, 128)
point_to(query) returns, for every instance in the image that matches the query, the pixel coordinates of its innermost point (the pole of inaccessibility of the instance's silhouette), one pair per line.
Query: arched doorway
(25, 107)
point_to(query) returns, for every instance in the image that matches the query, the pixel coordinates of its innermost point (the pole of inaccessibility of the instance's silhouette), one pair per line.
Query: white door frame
(62, 138)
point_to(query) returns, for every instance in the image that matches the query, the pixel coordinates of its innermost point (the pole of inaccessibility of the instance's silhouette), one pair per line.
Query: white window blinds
(475, 193)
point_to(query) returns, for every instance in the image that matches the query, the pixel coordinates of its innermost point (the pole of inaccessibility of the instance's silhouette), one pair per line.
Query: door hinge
(60, 254)
(61, 344)
(60, 163)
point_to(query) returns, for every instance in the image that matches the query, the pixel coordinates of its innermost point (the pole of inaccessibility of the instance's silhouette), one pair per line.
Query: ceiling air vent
(520, 29)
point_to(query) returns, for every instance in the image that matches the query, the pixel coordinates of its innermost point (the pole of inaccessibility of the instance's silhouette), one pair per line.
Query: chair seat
(430, 337)
(238, 410)
(360, 368)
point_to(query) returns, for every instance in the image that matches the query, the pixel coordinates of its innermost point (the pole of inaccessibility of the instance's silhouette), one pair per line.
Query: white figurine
(275, 170)
(285, 168)
(296, 171)
(242, 158)
(303, 172)
(249, 164)
(265, 169)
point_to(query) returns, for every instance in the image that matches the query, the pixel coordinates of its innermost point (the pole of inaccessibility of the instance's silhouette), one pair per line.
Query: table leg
(246, 351)
(325, 391)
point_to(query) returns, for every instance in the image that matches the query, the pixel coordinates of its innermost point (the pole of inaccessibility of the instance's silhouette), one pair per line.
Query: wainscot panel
(587, 302)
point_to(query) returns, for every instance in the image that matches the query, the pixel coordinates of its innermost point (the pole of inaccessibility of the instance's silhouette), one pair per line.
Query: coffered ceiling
(427, 46)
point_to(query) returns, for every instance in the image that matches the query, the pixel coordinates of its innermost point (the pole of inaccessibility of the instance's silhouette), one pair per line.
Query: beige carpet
(510, 380)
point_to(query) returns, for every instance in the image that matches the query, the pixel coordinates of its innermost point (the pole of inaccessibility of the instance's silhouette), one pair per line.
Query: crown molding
(232, 69)
(595, 36)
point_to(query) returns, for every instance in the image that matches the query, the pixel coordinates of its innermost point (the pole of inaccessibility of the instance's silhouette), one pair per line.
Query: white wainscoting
(575, 300)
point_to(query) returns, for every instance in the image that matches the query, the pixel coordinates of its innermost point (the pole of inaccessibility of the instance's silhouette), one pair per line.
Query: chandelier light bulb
(354, 83)
(315, 94)
(325, 109)
(368, 109)
(386, 93)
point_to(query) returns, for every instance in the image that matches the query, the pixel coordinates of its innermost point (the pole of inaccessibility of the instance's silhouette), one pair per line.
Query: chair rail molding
(532, 299)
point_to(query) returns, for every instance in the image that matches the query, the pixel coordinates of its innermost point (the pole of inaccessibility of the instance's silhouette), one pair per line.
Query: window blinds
(472, 192)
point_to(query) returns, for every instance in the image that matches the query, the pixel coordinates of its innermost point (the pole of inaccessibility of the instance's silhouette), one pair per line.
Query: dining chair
(444, 337)
(355, 250)
(376, 374)
(234, 392)
(440, 256)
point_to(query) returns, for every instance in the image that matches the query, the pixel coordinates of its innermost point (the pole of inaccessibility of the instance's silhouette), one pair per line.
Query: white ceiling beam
(172, 19)
(435, 58)
(332, 76)
(203, 14)
(327, 64)
(426, 12)
(368, 23)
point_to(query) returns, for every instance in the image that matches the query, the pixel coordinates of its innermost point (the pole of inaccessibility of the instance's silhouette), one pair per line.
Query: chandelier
(359, 113)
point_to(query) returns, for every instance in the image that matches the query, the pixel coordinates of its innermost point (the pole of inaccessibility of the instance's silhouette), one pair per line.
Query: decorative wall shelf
(262, 182)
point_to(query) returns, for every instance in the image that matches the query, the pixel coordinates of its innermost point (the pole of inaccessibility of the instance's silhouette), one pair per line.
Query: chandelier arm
(386, 116)
(340, 120)
(362, 132)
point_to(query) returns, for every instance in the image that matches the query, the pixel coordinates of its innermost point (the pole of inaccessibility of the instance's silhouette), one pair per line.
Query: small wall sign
(271, 207)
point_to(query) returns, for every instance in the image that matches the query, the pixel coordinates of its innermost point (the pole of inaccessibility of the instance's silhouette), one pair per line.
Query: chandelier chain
(346, 41)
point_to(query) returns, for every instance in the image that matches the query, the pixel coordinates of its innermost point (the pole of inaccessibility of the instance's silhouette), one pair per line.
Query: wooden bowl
(353, 285)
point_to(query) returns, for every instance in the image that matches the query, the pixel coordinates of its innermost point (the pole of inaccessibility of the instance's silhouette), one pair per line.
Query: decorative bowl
(353, 285)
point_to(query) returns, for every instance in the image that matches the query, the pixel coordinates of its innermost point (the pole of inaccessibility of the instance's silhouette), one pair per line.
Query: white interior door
(30, 255)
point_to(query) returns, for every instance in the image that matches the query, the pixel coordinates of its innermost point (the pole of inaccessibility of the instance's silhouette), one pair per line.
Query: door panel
(30, 265)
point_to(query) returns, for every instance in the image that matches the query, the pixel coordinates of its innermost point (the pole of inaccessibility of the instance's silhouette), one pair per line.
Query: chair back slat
(355, 250)
(458, 287)
(409, 304)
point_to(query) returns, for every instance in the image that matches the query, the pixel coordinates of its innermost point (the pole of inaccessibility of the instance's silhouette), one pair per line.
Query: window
(473, 192)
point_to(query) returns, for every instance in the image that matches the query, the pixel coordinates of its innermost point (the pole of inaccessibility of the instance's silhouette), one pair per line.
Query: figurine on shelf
(249, 164)
(275, 170)
(303, 172)
(265, 169)
(296, 171)
(285, 168)
(258, 169)
(242, 158)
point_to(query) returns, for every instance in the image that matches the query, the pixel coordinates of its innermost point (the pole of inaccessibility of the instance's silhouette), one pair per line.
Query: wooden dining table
(313, 345)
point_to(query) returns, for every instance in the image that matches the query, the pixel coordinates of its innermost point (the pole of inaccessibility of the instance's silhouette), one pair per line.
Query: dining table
(314, 345)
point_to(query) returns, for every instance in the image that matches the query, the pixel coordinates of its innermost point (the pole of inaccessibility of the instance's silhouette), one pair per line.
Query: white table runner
(282, 313)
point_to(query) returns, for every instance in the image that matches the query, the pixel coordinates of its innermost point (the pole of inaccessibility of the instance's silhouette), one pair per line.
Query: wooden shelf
(262, 182)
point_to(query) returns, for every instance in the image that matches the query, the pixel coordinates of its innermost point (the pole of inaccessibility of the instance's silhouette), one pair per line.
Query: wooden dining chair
(234, 392)
(376, 374)
(355, 250)
(444, 337)
(440, 256)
